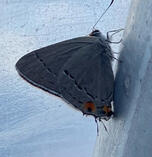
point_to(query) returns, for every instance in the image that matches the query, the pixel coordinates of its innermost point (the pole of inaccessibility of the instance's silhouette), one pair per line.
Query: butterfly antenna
(93, 28)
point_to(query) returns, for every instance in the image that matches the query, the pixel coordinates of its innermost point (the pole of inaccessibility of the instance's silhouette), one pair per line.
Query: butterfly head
(96, 33)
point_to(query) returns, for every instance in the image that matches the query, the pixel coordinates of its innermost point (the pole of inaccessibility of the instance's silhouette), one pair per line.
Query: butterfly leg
(109, 37)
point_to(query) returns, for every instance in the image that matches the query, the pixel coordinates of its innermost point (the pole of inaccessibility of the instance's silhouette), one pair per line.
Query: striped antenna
(93, 28)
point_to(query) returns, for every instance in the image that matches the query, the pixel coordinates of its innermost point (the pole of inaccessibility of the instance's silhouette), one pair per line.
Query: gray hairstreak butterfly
(78, 70)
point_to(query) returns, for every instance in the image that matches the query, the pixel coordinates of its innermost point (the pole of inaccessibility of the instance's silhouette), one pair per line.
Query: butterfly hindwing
(87, 77)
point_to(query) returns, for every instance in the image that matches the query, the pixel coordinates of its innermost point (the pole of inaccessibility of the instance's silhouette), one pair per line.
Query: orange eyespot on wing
(89, 107)
(106, 109)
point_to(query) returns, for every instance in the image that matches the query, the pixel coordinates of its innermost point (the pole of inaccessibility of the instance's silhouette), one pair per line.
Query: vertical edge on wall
(130, 131)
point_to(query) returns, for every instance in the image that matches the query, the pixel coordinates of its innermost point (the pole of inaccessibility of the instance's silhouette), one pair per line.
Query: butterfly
(78, 70)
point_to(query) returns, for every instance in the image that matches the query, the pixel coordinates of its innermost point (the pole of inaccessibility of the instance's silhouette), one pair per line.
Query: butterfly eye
(89, 107)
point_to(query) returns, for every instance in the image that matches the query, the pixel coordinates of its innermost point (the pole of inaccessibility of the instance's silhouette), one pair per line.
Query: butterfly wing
(41, 67)
(87, 78)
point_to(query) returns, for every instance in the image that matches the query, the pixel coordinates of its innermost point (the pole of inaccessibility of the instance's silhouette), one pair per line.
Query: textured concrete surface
(130, 132)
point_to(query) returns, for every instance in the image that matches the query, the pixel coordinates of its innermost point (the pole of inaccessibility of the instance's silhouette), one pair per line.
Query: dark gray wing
(41, 67)
(87, 77)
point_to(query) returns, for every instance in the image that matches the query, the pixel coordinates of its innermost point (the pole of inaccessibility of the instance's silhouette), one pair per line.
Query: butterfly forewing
(41, 67)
